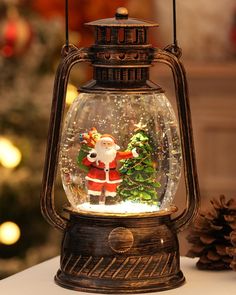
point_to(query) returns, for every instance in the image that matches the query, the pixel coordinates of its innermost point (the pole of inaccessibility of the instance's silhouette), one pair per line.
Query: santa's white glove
(92, 156)
(135, 153)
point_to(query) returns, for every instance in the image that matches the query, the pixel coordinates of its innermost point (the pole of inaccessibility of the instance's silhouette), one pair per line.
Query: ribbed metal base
(118, 287)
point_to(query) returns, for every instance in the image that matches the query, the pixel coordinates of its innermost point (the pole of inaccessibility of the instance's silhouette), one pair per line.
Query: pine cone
(232, 250)
(210, 235)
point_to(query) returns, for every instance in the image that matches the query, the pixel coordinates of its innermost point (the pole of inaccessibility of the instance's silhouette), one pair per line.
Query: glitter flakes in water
(117, 115)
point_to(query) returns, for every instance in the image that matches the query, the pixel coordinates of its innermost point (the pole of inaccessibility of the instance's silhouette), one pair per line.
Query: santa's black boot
(94, 199)
(111, 200)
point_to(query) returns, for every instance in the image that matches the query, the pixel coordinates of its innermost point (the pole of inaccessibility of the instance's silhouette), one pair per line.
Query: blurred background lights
(10, 155)
(71, 94)
(9, 233)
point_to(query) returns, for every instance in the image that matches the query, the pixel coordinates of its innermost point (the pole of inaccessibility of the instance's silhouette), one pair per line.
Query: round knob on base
(120, 239)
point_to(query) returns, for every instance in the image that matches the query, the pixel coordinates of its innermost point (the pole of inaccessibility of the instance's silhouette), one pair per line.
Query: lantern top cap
(121, 19)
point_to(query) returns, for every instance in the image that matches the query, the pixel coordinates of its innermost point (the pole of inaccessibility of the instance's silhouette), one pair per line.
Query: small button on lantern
(120, 156)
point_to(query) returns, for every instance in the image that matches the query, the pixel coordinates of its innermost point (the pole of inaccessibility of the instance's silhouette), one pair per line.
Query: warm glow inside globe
(120, 153)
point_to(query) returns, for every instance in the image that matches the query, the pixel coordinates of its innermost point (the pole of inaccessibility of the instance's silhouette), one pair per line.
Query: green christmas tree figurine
(139, 182)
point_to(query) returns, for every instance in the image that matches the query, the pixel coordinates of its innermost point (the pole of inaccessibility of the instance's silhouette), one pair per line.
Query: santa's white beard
(104, 155)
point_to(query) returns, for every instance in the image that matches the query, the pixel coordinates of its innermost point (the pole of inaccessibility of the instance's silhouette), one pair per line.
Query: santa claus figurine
(102, 175)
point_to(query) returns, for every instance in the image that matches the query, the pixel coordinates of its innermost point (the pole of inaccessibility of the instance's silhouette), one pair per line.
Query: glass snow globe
(120, 153)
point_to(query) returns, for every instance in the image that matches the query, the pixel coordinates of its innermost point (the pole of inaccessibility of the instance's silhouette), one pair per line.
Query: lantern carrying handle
(184, 115)
(174, 47)
(71, 55)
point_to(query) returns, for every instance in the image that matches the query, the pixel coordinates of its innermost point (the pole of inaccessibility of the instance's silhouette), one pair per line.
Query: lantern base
(132, 287)
(120, 254)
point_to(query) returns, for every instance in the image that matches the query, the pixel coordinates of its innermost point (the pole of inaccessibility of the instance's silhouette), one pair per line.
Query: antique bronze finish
(111, 253)
(119, 255)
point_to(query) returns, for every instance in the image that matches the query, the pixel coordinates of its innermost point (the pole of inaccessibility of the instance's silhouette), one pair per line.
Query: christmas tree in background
(29, 48)
(139, 182)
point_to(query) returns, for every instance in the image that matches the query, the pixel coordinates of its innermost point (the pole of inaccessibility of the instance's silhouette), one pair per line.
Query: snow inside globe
(120, 153)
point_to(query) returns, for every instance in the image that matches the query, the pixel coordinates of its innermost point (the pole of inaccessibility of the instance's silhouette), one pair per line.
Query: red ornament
(15, 35)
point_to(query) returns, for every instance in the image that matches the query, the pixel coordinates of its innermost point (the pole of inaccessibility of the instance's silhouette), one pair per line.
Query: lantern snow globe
(120, 156)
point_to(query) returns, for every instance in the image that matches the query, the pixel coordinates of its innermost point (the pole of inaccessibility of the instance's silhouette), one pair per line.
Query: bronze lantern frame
(137, 253)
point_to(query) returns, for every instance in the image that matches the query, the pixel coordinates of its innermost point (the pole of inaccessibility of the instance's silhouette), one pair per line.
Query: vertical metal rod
(175, 42)
(67, 23)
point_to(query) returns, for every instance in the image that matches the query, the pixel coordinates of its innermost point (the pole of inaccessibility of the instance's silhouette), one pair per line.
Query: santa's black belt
(104, 169)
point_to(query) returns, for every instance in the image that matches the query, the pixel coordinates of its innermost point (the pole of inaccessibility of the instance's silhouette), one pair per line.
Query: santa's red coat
(99, 173)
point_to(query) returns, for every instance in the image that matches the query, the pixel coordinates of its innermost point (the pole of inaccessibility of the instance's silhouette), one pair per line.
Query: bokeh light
(71, 94)
(9, 233)
(10, 155)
